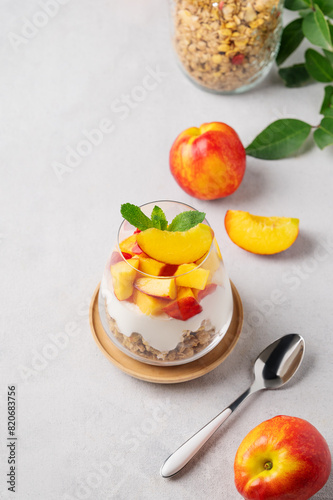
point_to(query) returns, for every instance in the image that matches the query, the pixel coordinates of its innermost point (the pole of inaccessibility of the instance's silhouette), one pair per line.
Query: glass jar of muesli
(226, 46)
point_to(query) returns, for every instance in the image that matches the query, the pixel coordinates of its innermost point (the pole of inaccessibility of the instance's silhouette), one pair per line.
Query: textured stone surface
(86, 430)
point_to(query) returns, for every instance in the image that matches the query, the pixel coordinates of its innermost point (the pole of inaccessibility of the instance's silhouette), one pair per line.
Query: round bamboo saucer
(167, 374)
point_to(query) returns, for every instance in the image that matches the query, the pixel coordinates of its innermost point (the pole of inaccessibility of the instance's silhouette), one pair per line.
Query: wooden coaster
(167, 374)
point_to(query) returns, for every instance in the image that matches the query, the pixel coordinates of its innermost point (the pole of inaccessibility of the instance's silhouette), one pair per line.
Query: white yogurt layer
(162, 332)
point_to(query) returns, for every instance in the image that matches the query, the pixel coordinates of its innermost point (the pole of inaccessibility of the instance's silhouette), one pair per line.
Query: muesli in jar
(226, 46)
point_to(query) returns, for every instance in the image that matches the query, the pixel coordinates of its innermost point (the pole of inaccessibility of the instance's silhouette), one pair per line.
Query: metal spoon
(272, 369)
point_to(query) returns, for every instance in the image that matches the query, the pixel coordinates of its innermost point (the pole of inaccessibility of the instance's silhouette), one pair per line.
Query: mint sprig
(186, 220)
(135, 216)
(182, 222)
(158, 218)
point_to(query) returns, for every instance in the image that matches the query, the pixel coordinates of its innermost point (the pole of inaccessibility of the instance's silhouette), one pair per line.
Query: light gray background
(85, 429)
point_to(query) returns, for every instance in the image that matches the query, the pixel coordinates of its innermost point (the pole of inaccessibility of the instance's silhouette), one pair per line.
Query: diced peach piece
(185, 307)
(176, 247)
(184, 291)
(147, 303)
(151, 266)
(200, 294)
(210, 261)
(158, 287)
(261, 235)
(195, 277)
(118, 257)
(169, 270)
(130, 245)
(123, 275)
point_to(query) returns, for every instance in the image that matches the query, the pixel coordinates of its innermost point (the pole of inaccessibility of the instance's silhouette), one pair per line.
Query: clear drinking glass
(164, 330)
(226, 46)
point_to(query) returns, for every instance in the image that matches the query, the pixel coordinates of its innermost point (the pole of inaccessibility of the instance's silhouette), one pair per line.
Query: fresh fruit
(212, 262)
(176, 247)
(185, 306)
(129, 245)
(284, 458)
(148, 305)
(123, 275)
(261, 235)
(158, 287)
(200, 294)
(208, 162)
(118, 257)
(151, 266)
(191, 276)
(169, 270)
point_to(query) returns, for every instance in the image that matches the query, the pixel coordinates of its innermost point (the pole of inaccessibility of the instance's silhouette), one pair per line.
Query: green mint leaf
(297, 4)
(323, 135)
(292, 36)
(316, 29)
(158, 218)
(279, 140)
(186, 220)
(327, 104)
(326, 7)
(318, 66)
(295, 76)
(135, 216)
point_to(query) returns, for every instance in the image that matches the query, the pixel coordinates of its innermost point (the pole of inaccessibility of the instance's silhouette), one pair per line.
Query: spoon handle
(187, 450)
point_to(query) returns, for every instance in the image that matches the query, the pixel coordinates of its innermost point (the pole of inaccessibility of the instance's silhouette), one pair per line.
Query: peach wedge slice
(176, 247)
(261, 235)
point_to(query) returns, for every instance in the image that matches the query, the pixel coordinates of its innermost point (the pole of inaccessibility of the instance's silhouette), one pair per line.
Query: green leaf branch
(284, 137)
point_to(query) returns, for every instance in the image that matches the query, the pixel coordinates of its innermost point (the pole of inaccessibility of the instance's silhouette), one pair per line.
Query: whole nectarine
(208, 162)
(284, 458)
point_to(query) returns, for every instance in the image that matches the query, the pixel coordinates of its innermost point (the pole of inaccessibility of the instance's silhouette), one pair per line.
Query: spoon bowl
(273, 368)
(279, 361)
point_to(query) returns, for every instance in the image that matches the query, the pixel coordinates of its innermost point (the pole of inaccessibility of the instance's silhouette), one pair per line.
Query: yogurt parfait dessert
(165, 298)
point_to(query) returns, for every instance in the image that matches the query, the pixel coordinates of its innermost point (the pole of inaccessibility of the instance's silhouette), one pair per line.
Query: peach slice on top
(176, 247)
(261, 235)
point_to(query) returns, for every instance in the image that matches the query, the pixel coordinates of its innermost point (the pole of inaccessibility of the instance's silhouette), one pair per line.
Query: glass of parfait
(165, 297)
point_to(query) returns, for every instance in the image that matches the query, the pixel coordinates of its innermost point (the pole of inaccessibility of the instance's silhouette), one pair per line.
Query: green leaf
(135, 216)
(295, 76)
(323, 136)
(316, 29)
(186, 220)
(292, 36)
(329, 55)
(318, 66)
(279, 140)
(327, 104)
(305, 12)
(297, 4)
(158, 218)
(326, 6)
